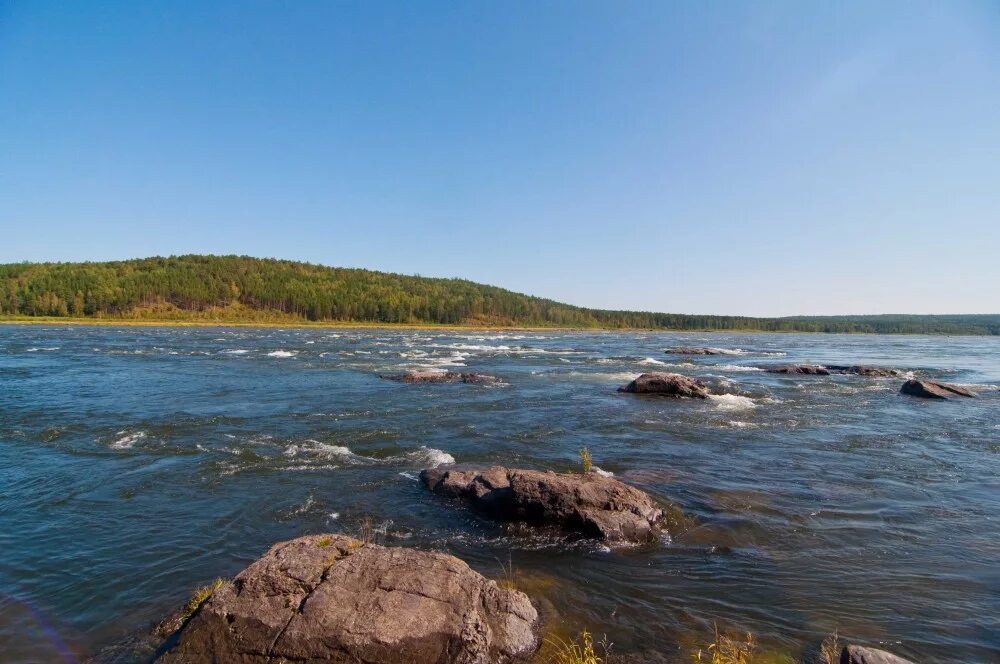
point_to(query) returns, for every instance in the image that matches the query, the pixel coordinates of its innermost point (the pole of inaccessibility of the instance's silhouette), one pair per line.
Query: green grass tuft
(200, 596)
(588, 461)
(578, 651)
(727, 649)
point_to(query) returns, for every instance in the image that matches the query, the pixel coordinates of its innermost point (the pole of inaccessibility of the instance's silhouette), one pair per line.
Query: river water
(139, 463)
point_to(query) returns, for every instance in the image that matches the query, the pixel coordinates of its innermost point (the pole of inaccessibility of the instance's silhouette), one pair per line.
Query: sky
(757, 158)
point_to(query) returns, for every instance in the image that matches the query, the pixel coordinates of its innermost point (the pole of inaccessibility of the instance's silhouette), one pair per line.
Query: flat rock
(587, 504)
(808, 369)
(931, 389)
(693, 350)
(432, 376)
(669, 384)
(873, 372)
(860, 655)
(332, 598)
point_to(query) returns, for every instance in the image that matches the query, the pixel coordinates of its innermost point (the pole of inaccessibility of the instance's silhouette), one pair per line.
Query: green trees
(240, 288)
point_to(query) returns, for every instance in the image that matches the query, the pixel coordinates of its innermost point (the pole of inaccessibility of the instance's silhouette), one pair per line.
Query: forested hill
(243, 289)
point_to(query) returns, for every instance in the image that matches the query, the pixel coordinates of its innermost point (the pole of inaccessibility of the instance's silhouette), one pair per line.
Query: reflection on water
(138, 463)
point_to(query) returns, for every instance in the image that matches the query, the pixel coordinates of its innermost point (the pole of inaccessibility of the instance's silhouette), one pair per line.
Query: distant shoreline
(374, 325)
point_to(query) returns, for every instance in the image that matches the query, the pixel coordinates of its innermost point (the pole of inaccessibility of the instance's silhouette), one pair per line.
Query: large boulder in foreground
(931, 389)
(861, 655)
(436, 376)
(669, 384)
(587, 504)
(332, 598)
(806, 369)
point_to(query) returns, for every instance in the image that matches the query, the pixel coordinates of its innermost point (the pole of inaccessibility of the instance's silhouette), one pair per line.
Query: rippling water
(139, 463)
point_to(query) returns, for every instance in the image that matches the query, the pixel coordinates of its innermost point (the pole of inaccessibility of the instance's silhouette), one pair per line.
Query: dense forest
(244, 289)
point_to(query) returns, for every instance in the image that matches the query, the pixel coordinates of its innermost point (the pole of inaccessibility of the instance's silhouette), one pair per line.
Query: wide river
(139, 463)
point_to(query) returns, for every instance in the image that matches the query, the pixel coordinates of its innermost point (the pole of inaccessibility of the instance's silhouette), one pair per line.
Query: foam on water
(652, 361)
(283, 353)
(732, 402)
(126, 439)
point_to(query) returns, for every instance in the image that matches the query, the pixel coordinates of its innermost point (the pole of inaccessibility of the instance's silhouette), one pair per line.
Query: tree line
(241, 288)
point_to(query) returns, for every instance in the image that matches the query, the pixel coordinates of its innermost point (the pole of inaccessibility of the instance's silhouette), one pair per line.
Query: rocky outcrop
(432, 376)
(332, 598)
(860, 655)
(691, 350)
(808, 369)
(872, 372)
(668, 384)
(587, 504)
(931, 389)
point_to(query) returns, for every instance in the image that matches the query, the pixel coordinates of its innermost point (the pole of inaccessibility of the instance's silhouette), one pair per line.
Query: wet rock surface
(431, 376)
(692, 350)
(861, 655)
(587, 504)
(931, 389)
(332, 598)
(857, 370)
(805, 369)
(668, 384)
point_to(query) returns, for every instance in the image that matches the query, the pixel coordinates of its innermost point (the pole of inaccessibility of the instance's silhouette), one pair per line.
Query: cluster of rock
(922, 387)
(437, 376)
(333, 598)
(589, 504)
(827, 369)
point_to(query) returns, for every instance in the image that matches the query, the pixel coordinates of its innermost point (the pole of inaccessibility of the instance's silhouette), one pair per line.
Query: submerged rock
(691, 350)
(931, 389)
(333, 598)
(669, 384)
(588, 504)
(809, 369)
(860, 655)
(873, 372)
(433, 376)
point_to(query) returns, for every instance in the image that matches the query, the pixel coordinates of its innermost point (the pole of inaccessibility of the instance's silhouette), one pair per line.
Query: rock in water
(931, 389)
(809, 369)
(689, 350)
(432, 376)
(859, 655)
(669, 384)
(873, 372)
(589, 504)
(331, 598)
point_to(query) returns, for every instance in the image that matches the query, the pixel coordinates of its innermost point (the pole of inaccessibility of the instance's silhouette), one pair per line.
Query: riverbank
(375, 325)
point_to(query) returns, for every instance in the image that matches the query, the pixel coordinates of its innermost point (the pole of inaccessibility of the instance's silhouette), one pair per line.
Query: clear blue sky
(760, 158)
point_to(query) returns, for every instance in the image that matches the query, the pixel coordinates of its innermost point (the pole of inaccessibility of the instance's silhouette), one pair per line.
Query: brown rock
(669, 384)
(331, 598)
(809, 369)
(859, 655)
(587, 504)
(931, 389)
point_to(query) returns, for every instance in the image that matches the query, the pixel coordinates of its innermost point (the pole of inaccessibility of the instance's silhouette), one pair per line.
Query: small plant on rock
(509, 579)
(200, 596)
(588, 461)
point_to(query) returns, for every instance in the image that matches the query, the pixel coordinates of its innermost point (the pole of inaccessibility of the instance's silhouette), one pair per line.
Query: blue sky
(763, 158)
